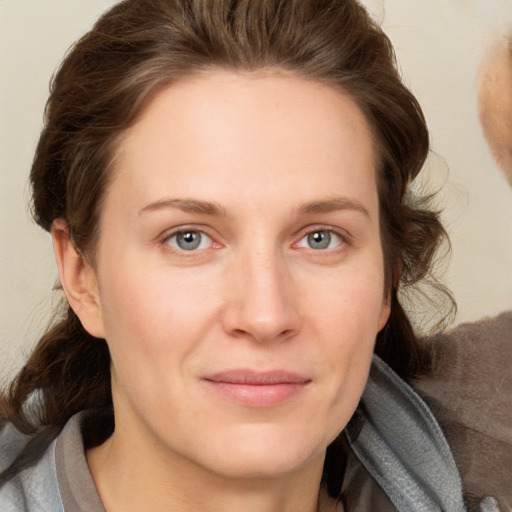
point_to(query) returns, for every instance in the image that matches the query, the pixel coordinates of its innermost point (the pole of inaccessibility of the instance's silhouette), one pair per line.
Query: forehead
(223, 131)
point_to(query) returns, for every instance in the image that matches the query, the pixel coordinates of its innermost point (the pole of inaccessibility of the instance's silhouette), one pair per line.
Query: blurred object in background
(495, 102)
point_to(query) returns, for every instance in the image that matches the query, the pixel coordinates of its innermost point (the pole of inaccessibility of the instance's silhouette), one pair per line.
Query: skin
(495, 103)
(256, 162)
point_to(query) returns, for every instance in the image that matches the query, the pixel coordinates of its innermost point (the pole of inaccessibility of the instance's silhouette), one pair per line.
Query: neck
(127, 481)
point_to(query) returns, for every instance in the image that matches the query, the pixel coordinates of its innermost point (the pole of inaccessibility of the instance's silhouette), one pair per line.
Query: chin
(266, 453)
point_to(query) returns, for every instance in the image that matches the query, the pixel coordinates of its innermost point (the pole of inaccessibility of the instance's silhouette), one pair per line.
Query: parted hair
(102, 86)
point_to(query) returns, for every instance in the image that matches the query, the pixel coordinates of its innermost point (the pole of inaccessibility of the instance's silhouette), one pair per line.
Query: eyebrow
(216, 210)
(334, 204)
(187, 205)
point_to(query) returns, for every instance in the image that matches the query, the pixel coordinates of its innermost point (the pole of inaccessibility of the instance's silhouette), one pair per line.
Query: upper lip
(258, 378)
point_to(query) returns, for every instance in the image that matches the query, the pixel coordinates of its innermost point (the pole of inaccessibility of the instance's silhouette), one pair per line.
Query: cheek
(153, 314)
(351, 302)
(154, 324)
(348, 319)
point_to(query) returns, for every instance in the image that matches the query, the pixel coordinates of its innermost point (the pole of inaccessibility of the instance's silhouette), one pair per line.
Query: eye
(190, 240)
(321, 239)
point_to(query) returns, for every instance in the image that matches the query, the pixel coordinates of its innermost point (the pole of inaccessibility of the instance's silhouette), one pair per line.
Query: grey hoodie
(399, 454)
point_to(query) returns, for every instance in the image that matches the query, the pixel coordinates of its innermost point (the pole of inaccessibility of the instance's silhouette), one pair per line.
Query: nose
(261, 304)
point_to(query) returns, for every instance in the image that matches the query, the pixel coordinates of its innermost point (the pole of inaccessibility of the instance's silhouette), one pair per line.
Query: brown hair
(103, 84)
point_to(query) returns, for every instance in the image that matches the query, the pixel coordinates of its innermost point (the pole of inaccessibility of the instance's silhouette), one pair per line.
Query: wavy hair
(103, 84)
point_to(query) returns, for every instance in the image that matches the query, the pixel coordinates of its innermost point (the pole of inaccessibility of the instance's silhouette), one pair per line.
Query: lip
(257, 389)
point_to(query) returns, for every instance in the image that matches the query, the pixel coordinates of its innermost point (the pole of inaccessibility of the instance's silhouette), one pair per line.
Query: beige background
(439, 43)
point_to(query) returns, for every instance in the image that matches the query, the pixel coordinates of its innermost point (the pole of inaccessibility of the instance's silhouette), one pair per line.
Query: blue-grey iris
(188, 240)
(319, 239)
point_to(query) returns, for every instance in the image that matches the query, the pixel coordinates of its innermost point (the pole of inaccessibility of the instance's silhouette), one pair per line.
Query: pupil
(189, 240)
(319, 240)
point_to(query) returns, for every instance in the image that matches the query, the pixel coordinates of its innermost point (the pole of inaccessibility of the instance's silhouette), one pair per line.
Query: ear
(78, 280)
(390, 293)
(385, 311)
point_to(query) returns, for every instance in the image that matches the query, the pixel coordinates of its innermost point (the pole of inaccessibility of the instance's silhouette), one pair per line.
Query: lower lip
(258, 395)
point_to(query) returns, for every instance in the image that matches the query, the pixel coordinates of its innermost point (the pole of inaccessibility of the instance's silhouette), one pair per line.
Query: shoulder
(55, 475)
(12, 442)
(470, 376)
(469, 389)
(35, 488)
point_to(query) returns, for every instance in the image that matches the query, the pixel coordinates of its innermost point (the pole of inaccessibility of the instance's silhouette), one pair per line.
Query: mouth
(257, 389)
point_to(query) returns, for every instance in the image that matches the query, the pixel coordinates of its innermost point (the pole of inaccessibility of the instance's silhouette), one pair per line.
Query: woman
(227, 189)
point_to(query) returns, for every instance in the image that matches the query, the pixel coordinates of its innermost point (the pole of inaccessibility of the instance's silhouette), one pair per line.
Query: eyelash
(165, 240)
(343, 237)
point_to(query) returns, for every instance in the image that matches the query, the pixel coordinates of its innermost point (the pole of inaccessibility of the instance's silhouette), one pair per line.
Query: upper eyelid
(343, 233)
(175, 233)
(168, 233)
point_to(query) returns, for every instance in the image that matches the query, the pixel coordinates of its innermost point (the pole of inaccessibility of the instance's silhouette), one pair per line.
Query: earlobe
(78, 280)
(385, 311)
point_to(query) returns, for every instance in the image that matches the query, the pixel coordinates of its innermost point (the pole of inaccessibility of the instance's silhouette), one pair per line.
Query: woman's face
(239, 272)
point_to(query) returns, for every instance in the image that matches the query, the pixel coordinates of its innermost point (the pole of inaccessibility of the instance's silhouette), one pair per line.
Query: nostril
(262, 335)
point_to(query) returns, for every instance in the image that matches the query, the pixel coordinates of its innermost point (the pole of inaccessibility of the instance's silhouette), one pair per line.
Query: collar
(397, 439)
